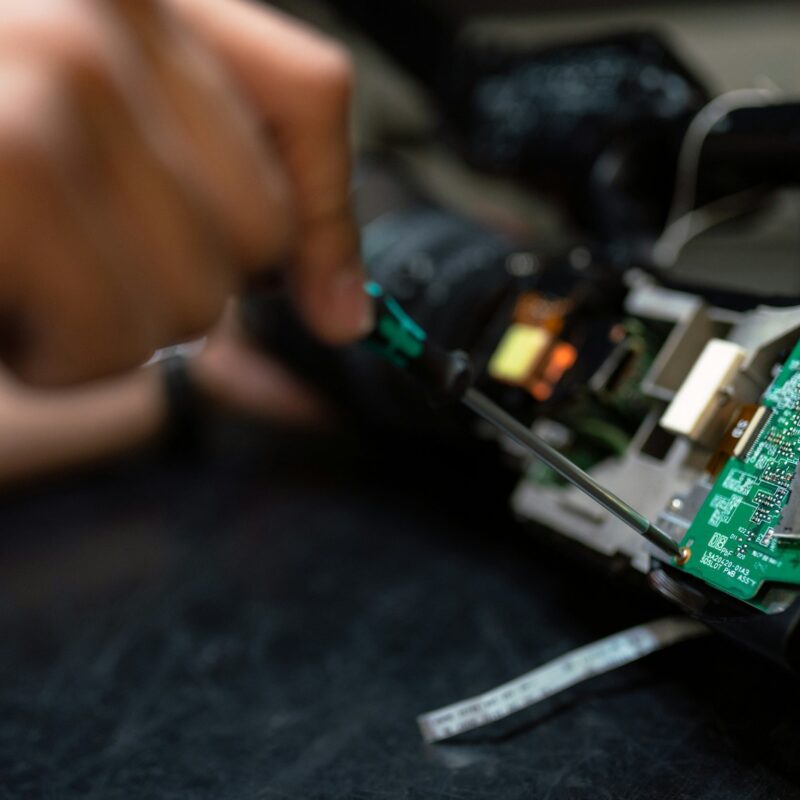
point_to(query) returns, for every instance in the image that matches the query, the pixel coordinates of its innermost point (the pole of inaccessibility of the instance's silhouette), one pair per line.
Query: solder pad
(732, 541)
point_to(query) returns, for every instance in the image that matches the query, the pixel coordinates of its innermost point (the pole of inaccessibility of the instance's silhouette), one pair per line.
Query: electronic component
(748, 435)
(533, 308)
(788, 526)
(528, 355)
(741, 538)
(560, 359)
(701, 395)
(520, 352)
(740, 436)
(616, 368)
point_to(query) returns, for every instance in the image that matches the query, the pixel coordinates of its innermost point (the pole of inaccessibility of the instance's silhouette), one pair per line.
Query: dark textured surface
(249, 626)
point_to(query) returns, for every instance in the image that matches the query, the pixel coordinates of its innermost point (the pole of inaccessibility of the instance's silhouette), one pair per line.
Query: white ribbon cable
(563, 672)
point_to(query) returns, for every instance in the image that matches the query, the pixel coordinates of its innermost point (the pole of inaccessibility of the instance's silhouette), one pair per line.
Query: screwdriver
(447, 376)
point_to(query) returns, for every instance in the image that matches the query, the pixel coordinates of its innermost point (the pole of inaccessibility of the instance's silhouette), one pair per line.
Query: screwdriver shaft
(492, 413)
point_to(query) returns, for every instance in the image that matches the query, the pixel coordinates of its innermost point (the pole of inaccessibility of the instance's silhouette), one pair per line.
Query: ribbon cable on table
(563, 672)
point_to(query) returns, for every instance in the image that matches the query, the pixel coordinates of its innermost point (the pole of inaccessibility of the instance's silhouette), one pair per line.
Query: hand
(241, 378)
(153, 155)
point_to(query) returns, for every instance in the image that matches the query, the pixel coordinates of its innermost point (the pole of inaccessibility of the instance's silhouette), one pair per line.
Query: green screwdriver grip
(445, 374)
(395, 336)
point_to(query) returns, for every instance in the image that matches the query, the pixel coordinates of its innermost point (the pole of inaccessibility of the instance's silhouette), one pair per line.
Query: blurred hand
(241, 378)
(153, 154)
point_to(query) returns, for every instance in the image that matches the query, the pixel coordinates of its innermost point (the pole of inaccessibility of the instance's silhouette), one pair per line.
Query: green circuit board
(733, 539)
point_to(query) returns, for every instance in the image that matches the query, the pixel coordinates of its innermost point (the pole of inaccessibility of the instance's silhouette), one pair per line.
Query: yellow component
(519, 353)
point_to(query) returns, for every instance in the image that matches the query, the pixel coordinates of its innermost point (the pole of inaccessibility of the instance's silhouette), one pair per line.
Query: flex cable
(562, 673)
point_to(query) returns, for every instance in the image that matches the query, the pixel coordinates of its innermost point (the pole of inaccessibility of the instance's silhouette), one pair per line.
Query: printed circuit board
(747, 532)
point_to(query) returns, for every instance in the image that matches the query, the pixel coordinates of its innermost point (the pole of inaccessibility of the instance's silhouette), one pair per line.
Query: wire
(679, 233)
(684, 221)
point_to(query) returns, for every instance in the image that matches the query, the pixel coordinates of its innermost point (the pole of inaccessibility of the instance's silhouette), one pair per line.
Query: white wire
(682, 220)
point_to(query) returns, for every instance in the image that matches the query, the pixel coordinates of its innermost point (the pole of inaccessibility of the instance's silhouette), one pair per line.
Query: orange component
(541, 391)
(562, 357)
(533, 308)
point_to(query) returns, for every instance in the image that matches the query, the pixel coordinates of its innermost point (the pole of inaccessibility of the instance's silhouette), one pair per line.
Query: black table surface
(267, 619)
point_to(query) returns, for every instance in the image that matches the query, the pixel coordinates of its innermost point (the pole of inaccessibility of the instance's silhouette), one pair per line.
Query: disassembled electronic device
(683, 402)
(714, 460)
(686, 409)
(738, 530)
